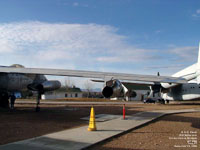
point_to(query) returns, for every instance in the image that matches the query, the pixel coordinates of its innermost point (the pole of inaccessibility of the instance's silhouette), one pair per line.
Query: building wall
(57, 95)
(73, 94)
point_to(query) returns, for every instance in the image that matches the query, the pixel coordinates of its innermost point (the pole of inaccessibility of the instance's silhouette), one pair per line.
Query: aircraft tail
(198, 62)
(192, 72)
(198, 66)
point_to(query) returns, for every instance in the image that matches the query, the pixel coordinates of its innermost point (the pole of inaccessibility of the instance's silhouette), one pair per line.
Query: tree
(69, 83)
(88, 86)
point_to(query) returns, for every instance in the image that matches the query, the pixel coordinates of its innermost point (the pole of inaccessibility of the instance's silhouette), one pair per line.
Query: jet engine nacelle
(45, 86)
(168, 85)
(113, 87)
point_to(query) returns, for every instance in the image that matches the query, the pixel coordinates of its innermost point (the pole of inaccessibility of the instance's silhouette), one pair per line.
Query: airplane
(11, 83)
(175, 87)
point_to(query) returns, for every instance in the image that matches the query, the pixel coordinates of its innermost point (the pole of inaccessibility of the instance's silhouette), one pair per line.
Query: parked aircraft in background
(176, 87)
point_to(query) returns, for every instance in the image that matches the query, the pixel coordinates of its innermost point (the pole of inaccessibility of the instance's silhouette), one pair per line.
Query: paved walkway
(80, 138)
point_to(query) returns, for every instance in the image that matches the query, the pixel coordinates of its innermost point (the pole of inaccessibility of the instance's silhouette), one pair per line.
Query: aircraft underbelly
(180, 97)
(191, 96)
(183, 92)
(18, 82)
(3, 81)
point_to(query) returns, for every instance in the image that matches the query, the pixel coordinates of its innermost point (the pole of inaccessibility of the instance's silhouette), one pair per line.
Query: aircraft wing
(124, 82)
(94, 74)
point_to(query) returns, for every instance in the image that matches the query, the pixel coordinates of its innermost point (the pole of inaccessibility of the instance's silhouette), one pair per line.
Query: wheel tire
(37, 109)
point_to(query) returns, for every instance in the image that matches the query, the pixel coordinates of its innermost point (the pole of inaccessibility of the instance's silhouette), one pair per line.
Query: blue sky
(132, 36)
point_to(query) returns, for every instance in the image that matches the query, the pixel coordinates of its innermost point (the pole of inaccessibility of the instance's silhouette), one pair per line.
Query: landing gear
(37, 109)
(162, 101)
(12, 101)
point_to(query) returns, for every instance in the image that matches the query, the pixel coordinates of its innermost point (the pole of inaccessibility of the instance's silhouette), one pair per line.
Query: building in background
(63, 92)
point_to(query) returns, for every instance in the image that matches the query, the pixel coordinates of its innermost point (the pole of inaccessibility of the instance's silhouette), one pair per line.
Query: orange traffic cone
(92, 123)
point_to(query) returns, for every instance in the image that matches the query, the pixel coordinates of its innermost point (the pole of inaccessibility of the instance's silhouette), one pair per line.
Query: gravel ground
(25, 123)
(165, 133)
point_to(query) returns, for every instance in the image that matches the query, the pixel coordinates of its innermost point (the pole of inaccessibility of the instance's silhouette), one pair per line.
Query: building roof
(74, 89)
(68, 89)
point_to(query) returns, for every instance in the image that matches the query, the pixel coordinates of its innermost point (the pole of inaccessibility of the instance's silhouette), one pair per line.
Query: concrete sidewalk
(80, 138)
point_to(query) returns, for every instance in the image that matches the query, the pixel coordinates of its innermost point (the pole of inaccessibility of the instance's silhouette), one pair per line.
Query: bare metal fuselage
(188, 91)
(13, 82)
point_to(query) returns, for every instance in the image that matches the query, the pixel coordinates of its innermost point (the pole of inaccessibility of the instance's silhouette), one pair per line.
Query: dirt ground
(167, 133)
(25, 123)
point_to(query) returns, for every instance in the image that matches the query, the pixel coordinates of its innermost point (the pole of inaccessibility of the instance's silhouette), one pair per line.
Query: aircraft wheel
(37, 109)
(162, 101)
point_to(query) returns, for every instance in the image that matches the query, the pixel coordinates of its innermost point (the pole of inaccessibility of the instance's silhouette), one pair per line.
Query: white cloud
(75, 4)
(185, 53)
(198, 11)
(158, 31)
(67, 44)
(196, 14)
(79, 46)
(130, 55)
(6, 46)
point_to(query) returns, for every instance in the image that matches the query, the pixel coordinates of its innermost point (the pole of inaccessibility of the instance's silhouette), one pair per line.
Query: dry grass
(75, 99)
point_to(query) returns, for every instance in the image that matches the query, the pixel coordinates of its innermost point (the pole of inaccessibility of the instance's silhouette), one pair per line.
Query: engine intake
(113, 88)
(107, 91)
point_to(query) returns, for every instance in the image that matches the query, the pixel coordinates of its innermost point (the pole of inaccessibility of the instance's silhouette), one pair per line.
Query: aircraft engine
(45, 86)
(131, 93)
(113, 88)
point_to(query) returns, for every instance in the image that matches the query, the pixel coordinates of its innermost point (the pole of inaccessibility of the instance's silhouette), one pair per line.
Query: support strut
(37, 109)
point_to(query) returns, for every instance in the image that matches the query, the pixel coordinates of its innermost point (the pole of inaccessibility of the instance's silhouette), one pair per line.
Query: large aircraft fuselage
(187, 91)
(13, 82)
